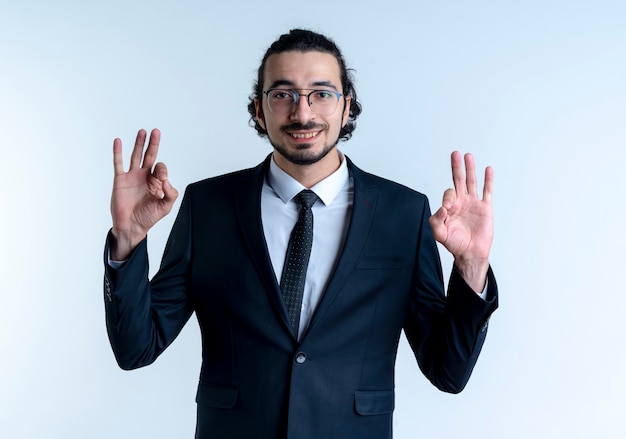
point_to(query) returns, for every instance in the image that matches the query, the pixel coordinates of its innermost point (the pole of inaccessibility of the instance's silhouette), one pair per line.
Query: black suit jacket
(256, 379)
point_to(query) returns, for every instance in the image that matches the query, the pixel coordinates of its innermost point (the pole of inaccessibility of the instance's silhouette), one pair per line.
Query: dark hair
(307, 41)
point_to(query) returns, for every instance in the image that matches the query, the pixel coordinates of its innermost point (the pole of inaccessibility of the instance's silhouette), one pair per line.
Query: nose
(302, 110)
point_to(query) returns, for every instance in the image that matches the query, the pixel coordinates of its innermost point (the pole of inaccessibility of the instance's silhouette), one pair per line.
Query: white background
(535, 88)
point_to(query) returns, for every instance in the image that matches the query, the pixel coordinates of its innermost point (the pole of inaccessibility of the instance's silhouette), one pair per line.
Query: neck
(311, 174)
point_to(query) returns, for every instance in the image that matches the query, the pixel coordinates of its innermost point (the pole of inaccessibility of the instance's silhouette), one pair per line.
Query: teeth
(303, 136)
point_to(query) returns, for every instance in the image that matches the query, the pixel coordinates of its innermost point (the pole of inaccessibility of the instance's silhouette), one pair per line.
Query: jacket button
(300, 357)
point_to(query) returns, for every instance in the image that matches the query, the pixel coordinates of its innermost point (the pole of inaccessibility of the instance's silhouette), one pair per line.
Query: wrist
(123, 243)
(473, 271)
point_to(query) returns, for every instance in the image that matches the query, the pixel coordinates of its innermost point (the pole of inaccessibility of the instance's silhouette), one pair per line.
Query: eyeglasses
(284, 101)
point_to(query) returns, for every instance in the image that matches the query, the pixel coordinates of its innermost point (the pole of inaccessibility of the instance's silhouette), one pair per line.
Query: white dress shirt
(331, 218)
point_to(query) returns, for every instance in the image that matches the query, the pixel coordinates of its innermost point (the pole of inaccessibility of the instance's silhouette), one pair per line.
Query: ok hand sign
(464, 223)
(141, 196)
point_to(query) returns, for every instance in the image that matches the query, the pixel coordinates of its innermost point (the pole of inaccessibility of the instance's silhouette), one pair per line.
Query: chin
(304, 155)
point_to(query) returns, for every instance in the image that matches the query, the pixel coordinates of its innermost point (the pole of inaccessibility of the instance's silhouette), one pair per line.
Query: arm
(142, 318)
(145, 316)
(446, 333)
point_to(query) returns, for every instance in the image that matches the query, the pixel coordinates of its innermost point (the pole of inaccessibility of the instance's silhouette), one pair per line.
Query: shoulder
(247, 178)
(388, 188)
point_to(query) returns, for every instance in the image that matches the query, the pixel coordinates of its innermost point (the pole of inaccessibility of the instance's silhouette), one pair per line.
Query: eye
(323, 95)
(280, 95)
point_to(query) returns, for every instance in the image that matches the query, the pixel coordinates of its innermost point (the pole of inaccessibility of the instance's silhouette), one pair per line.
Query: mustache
(309, 126)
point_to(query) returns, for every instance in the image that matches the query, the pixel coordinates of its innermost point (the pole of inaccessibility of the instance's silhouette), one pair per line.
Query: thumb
(449, 197)
(439, 216)
(169, 192)
(437, 222)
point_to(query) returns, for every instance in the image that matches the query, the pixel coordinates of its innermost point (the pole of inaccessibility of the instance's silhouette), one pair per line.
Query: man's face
(302, 136)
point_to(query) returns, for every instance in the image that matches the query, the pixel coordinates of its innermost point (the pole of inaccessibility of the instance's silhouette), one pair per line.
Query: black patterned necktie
(297, 258)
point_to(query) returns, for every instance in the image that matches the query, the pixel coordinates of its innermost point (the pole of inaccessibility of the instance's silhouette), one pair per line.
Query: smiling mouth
(304, 135)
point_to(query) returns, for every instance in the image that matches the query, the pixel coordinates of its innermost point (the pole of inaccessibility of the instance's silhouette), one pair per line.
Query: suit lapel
(363, 210)
(248, 212)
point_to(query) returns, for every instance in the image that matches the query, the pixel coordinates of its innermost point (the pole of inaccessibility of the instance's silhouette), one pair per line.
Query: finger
(458, 176)
(437, 223)
(160, 171)
(489, 181)
(449, 197)
(470, 175)
(169, 194)
(135, 158)
(118, 162)
(153, 149)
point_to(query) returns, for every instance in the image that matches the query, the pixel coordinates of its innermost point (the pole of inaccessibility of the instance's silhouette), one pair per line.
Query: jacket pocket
(374, 403)
(217, 396)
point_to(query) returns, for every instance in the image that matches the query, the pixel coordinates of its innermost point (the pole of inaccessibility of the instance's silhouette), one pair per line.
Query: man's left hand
(464, 222)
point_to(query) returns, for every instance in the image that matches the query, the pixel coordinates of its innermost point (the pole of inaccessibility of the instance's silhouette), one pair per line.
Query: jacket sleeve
(445, 332)
(143, 317)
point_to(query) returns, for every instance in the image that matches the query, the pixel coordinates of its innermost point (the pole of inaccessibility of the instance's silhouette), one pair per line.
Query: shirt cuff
(483, 294)
(116, 265)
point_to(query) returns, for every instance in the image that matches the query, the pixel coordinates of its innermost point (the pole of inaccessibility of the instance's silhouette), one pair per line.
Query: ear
(260, 117)
(346, 111)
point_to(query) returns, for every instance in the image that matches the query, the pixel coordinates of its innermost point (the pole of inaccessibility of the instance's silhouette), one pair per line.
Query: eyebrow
(285, 82)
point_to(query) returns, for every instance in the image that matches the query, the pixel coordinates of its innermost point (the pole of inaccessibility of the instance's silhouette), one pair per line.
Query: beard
(303, 155)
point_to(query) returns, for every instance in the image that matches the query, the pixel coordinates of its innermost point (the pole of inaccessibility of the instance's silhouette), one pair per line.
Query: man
(300, 329)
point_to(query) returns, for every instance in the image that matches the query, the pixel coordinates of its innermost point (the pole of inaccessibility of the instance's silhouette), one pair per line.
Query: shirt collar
(287, 187)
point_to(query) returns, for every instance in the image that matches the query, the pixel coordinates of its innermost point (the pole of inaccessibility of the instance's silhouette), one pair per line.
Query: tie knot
(307, 198)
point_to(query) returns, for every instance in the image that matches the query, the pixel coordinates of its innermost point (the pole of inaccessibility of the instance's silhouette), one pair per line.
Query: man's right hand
(141, 196)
